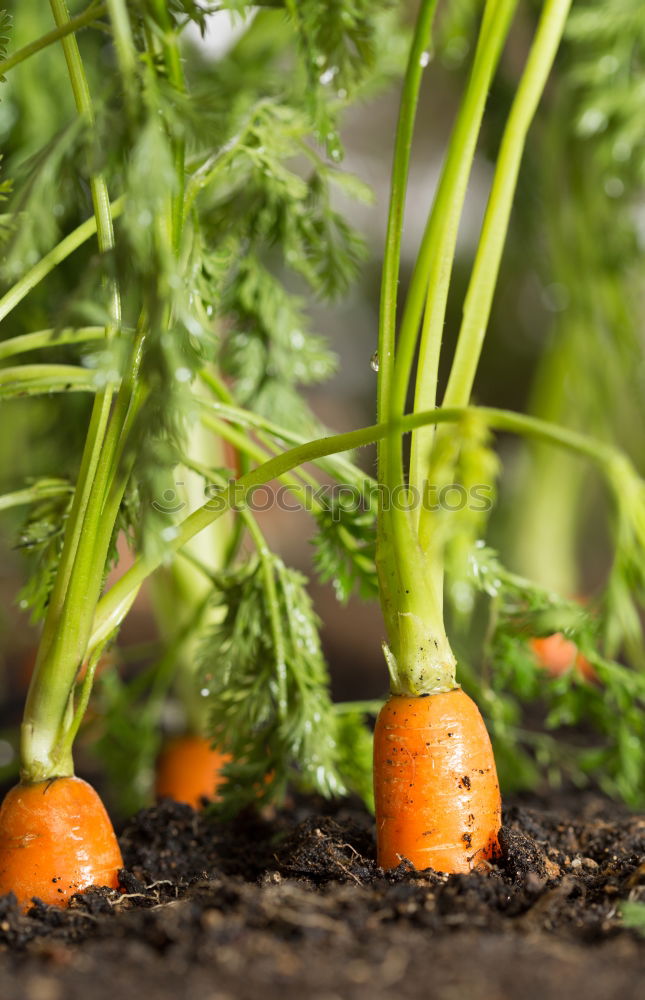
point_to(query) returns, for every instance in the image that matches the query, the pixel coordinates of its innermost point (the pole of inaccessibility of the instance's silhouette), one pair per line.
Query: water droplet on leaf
(424, 59)
(374, 362)
(329, 74)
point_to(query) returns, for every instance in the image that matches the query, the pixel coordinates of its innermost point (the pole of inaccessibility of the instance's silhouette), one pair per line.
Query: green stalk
(82, 20)
(49, 338)
(253, 450)
(49, 706)
(45, 733)
(172, 59)
(399, 184)
(419, 657)
(477, 305)
(83, 100)
(51, 260)
(309, 501)
(115, 604)
(336, 465)
(401, 582)
(479, 297)
(436, 257)
(37, 380)
(41, 490)
(123, 40)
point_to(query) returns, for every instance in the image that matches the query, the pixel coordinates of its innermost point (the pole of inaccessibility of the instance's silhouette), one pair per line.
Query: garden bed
(293, 907)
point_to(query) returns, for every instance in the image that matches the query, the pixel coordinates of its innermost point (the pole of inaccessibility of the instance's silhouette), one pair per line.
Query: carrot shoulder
(437, 796)
(56, 839)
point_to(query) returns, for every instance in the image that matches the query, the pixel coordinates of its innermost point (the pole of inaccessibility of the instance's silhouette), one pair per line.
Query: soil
(292, 907)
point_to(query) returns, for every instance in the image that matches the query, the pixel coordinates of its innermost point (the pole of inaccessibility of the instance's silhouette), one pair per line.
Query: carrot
(556, 655)
(436, 790)
(56, 839)
(437, 796)
(189, 770)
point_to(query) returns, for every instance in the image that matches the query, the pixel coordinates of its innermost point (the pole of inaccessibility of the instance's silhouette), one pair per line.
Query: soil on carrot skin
(293, 908)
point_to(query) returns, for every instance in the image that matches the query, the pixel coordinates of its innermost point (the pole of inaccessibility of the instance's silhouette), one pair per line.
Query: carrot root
(56, 839)
(189, 770)
(437, 795)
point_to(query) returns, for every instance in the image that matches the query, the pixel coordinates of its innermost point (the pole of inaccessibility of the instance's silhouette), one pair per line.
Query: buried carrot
(189, 770)
(437, 796)
(556, 655)
(55, 839)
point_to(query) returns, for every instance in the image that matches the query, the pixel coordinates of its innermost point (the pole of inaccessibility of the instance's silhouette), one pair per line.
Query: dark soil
(294, 908)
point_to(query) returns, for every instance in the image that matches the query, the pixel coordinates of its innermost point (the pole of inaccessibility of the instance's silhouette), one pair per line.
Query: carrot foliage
(592, 724)
(267, 690)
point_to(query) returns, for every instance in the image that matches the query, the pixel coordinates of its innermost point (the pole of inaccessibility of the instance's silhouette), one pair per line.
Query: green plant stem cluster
(410, 556)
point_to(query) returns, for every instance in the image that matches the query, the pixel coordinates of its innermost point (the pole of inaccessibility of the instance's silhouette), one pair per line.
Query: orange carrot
(437, 796)
(189, 770)
(556, 654)
(55, 839)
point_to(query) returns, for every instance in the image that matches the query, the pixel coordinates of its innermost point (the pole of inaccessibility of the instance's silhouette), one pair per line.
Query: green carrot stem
(42, 490)
(45, 731)
(479, 297)
(39, 339)
(82, 20)
(123, 40)
(51, 260)
(436, 257)
(172, 59)
(81, 706)
(114, 605)
(49, 710)
(336, 464)
(399, 598)
(399, 183)
(36, 380)
(253, 450)
(103, 220)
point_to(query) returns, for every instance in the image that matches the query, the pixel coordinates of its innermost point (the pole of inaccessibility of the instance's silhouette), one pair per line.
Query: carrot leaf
(269, 703)
(344, 547)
